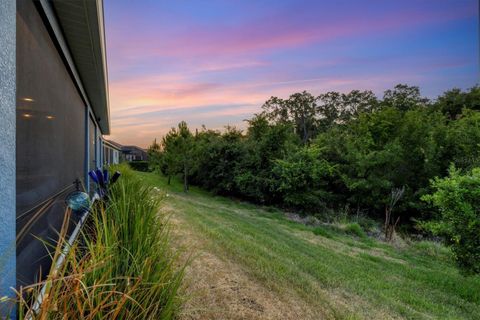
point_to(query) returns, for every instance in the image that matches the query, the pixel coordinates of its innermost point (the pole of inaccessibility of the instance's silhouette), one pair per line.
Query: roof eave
(82, 23)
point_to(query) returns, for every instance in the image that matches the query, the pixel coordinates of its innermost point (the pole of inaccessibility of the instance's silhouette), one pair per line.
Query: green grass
(341, 272)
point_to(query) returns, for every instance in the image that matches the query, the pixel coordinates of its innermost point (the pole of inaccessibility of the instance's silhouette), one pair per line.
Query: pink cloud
(176, 68)
(278, 31)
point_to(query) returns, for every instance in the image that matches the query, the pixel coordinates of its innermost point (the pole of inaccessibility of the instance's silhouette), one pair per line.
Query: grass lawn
(338, 275)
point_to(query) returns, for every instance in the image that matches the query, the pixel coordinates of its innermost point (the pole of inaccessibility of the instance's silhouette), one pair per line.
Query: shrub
(432, 249)
(139, 166)
(457, 197)
(322, 231)
(302, 178)
(355, 229)
(367, 223)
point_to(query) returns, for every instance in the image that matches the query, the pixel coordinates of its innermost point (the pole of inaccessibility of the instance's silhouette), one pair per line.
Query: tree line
(350, 151)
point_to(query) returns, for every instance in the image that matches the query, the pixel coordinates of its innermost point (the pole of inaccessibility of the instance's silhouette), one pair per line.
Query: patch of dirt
(217, 288)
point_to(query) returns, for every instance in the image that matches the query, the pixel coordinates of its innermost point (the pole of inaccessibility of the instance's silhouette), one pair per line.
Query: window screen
(50, 141)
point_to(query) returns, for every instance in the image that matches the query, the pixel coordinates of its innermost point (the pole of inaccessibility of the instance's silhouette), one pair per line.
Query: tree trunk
(185, 182)
(169, 178)
(304, 125)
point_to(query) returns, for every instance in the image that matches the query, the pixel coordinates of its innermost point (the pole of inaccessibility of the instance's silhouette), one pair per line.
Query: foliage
(298, 110)
(264, 143)
(453, 102)
(178, 151)
(302, 177)
(318, 154)
(355, 229)
(404, 98)
(463, 140)
(140, 165)
(457, 197)
(154, 156)
(218, 156)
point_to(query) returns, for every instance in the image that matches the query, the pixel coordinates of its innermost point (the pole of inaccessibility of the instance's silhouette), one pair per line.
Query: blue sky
(216, 62)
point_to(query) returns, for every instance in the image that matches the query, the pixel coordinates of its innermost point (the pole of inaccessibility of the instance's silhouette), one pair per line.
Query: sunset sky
(215, 62)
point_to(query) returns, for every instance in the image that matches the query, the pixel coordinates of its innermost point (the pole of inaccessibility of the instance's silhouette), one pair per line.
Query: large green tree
(299, 110)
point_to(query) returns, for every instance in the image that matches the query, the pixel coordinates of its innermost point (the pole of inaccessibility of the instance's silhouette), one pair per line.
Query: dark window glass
(92, 139)
(92, 163)
(50, 140)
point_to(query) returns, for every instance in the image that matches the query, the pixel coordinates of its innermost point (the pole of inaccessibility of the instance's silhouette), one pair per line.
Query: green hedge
(139, 165)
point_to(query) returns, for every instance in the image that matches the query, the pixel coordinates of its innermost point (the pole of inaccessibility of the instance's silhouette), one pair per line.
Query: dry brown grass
(218, 288)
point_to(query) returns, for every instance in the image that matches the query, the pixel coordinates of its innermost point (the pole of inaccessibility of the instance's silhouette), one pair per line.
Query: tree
(299, 110)
(385, 149)
(154, 155)
(302, 179)
(303, 107)
(178, 151)
(169, 162)
(404, 97)
(463, 136)
(276, 110)
(264, 143)
(329, 109)
(218, 157)
(357, 102)
(453, 102)
(185, 150)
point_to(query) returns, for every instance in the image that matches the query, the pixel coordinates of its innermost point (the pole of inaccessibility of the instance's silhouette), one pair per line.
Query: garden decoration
(102, 181)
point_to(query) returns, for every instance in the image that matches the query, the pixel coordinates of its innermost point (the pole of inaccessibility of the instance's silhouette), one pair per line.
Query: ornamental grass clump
(121, 267)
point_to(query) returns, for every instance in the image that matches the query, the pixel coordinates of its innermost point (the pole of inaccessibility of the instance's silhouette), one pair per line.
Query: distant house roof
(128, 148)
(114, 144)
(124, 148)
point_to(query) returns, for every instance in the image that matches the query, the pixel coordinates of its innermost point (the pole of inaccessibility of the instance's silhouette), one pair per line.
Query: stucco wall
(7, 144)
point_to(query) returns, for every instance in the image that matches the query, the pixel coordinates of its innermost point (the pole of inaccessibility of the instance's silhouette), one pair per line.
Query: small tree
(185, 145)
(178, 152)
(169, 154)
(457, 197)
(154, 155)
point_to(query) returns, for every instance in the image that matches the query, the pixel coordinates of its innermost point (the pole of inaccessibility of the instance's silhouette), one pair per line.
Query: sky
(214, 62)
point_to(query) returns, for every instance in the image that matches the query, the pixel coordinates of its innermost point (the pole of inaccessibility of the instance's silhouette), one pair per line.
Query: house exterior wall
(7, 143)
(45, 140)
(50, 141)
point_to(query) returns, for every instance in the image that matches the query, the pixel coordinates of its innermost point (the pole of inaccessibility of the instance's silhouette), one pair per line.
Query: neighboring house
(111, 152)
(54, 110)
(134, 153)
